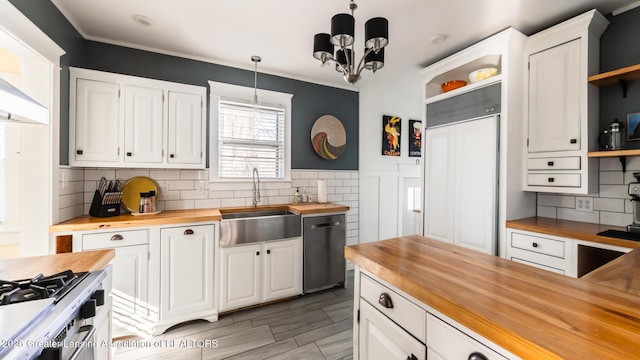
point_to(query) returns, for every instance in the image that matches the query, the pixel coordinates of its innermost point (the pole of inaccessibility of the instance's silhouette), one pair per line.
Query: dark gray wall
(310, 101)
(619, 48)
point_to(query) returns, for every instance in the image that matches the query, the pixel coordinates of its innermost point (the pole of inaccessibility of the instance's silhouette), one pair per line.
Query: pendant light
(256, 59)
(342, 37)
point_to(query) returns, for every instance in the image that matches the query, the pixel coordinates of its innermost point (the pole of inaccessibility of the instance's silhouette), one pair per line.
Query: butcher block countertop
(182, 216)
(27, 267)
(532, 313)
(572, 229)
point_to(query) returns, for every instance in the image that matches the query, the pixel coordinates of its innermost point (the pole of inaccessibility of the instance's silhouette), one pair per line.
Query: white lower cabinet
(389, 324)
(548, 252)
(186, 271)
(129, 292)
(259, 272)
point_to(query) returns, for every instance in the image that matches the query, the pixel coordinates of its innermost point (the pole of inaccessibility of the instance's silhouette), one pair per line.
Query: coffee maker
(634, 191)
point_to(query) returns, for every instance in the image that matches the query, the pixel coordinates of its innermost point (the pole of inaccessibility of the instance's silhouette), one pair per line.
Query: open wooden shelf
(612, 153)
(614, 76)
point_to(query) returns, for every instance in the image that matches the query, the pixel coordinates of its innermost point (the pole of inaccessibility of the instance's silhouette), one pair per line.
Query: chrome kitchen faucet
(256, 189)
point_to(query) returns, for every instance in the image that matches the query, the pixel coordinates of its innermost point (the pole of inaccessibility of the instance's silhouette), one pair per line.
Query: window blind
(250, 136)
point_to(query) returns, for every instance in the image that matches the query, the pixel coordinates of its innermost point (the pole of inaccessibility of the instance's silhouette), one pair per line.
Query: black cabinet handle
(551, 180)
(268, 251)
(535, 245)
(79, 152)
(129, 153)
(477, 356)
(573, 141)
(412, 357)
(550, 163)
(188, 232)
(257, 253)
(171, 156)
(117, 237)
(385, 300)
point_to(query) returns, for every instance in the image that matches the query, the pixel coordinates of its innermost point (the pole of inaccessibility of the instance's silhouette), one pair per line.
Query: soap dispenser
(297, 196)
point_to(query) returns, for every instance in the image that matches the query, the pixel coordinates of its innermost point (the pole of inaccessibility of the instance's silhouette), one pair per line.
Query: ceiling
(281, 31)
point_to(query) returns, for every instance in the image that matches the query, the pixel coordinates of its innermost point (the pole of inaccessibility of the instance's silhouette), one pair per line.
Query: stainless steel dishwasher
(323, 260)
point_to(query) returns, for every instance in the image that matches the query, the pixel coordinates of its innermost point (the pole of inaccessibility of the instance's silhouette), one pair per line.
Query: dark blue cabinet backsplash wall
(310, 101)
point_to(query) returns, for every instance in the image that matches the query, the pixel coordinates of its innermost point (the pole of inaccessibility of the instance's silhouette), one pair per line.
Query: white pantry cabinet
(260, 272)
(186, 271)
(561, 107)
(126, 121)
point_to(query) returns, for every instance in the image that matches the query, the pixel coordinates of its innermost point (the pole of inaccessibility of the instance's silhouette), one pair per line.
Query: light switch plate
(584, 204)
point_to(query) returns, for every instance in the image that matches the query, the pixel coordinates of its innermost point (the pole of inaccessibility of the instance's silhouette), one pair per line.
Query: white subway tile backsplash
(335, 182)
(96, 174)
(557, 200)
(614, 191)
(164, 174)
(610, 164)
(126, 174)
(633, 163)
(192, 194)
(308, 175)
(194, 175)
(607, 204)
(207, 203)
(572, 214)
(547, 211)
(611, 178)
(179, 204)
(615, 218)
(343, 175)
(72, 187)
(71, 200)
(181, 185)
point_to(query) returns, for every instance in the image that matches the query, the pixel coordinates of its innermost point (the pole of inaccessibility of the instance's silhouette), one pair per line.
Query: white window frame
(219, 91)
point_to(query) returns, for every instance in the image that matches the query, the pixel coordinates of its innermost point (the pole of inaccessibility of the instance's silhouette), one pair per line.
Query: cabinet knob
(171, 156)
(551, 179)
(535, 245)
(129, 153)
(412, 357)
(268, 251)
(385, 300)
(257, 253)
(573, 141)
(117, 237)
(550, 163)
(188, 232)
(477, 356)
(79, 152)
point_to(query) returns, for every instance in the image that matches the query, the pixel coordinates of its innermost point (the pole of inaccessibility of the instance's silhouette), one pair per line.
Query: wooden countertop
(571, 229)
(532, 313)
(621, 273)
(87, 222)
(27, 267)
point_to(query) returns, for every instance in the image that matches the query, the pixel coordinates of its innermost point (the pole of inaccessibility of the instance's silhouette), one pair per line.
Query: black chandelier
(342, 36)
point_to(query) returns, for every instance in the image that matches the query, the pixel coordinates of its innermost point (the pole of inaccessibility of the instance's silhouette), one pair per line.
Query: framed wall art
(391, 129)
(415, 138)
(633, 126)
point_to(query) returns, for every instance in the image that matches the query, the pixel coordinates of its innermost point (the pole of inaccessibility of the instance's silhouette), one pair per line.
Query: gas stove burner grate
(39, 287)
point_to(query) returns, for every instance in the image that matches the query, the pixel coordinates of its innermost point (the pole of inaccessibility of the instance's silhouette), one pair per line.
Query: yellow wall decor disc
(133, 187)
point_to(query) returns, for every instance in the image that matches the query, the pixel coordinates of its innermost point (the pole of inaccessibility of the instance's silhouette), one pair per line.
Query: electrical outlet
(584, 204)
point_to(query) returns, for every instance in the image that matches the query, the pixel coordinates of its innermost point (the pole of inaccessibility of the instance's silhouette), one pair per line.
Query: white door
(186, 270)
(282, 269)
(144, 124)
(439, 184)
(96, 120)
(554, 92)
(476, 185)
(382, 339)
(241, 267)
(186, 128)
(130, 286)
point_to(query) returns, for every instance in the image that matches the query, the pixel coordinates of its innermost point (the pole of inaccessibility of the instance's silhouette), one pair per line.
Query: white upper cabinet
(554, 106)
(96, 136)
(561, 107)
(143, 131)
(186, 128)
(126, 121)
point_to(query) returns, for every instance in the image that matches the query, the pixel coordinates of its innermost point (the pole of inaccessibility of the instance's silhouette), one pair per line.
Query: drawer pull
(549, 163)
(188, 232)
(385, 300)
(477, 356)
(573, 141)
(535, 245)
(268, 251)
(551, 179)
(79, 152)
(257, 253)
(412, 357)
(129, 153)
(117, 237)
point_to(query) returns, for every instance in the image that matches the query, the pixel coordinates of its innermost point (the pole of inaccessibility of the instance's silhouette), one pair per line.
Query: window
(3, 196)
(244, 136)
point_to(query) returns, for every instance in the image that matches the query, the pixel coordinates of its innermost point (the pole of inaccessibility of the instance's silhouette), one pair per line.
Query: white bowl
(482, 74)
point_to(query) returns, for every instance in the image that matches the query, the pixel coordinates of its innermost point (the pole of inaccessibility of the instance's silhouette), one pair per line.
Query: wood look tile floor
(313, 326)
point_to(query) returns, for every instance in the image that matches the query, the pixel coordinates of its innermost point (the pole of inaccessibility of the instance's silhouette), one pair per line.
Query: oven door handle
(90, 330)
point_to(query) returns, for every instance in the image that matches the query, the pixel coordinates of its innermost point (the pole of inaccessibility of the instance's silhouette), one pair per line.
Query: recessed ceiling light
(439, 39)
(143, 20)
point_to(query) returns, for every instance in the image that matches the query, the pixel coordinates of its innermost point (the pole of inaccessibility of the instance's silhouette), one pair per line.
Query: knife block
(100, 209)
